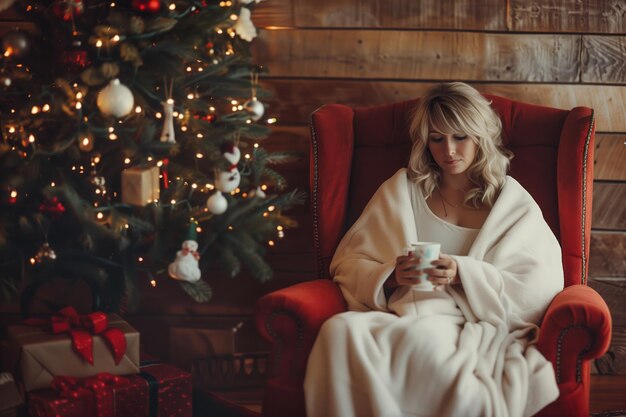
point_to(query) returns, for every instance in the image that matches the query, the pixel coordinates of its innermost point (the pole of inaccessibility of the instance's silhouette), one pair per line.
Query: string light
(34, 110)
(271, 120)
(31, 138)
(153, 283)
(46, 107)
(271, 243)
(99, 216)
(138, 109)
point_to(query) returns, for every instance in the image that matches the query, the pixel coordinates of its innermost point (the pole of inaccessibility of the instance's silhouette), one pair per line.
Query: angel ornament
(185, 267)
(167, 134)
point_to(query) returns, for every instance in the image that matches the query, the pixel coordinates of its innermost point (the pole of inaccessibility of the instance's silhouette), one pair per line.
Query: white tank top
(455, 240)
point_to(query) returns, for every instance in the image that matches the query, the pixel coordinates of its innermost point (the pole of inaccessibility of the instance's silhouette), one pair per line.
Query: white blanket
(457, 351)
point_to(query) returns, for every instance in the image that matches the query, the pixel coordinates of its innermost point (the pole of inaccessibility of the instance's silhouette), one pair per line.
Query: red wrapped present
(73, 345)
(159, 390)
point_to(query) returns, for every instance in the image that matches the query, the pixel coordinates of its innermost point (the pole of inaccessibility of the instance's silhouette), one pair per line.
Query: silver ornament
(45, 253)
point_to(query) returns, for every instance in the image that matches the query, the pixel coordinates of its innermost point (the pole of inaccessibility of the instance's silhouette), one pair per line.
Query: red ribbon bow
(97, 390)
(82, 328)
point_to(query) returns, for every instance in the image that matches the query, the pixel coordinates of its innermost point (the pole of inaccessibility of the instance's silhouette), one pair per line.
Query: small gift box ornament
(140, 185)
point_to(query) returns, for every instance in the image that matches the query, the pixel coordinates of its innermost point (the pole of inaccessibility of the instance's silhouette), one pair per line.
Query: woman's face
(453, 153)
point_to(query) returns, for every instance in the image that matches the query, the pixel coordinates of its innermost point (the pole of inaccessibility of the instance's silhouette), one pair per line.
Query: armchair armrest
(575, 328)
(290, 320)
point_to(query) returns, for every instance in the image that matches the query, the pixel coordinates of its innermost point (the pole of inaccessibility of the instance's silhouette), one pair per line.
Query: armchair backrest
(354, 150)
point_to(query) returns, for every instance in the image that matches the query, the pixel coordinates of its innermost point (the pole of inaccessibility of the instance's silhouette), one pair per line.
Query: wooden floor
(607, 393)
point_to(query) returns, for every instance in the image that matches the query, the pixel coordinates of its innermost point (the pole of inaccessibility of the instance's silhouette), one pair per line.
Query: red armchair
(355, 150)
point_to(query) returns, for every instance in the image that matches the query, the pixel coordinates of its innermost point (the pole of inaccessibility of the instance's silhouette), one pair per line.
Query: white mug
(427, 252)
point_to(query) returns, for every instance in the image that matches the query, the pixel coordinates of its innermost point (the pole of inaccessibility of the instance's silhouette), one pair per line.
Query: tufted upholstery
(355, 150)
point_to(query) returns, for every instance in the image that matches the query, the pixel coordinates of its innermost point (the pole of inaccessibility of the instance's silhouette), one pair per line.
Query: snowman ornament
(225, 181)
(185, 267)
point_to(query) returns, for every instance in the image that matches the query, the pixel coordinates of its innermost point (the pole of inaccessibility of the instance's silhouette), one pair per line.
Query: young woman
(466, 347)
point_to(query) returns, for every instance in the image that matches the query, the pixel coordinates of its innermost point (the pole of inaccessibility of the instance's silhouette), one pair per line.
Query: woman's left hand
(445, 271)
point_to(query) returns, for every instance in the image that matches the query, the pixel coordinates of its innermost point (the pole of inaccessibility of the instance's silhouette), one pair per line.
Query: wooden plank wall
(559, 53)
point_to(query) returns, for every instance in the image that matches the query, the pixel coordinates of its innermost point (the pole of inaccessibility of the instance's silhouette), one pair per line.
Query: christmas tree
(131, 148)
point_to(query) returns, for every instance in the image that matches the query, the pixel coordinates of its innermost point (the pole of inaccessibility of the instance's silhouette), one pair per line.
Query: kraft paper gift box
(37, 355)
(140, 186)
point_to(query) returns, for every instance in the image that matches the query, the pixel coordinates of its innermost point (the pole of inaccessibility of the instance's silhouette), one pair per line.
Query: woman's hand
(445, 271)
(406, 272)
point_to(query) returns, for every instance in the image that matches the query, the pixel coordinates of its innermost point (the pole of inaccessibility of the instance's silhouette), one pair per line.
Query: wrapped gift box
(36, 355)
(159, 390)
(140, 186)
(10, 398)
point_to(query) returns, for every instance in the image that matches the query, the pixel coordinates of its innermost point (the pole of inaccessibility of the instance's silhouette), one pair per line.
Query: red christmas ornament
(75, 61)
(67, 9)
(146, 6)
(207, 117)
(75, 58)
(52, 207)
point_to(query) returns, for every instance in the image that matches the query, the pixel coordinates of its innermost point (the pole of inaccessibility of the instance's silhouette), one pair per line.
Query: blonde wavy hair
(453, 108)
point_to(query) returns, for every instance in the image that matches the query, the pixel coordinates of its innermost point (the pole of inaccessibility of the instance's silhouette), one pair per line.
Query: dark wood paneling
(295, 99)
(443, 55)
(607, 255)
(404, 14)
(614, 361)
(604, 59)
(605, 16)
(613, 291)
(609, 208)
(610, 157)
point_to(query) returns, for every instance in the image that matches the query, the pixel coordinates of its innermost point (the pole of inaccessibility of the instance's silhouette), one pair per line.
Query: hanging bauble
(52, 207)
(5, 81)
(45, 253)
(115, 99)
(16, 44)
(254, 108)
(227, 181)
(75, 59)
(67, 9)
(146, 6)
(85, 141)
(185, 266)
(217, 203)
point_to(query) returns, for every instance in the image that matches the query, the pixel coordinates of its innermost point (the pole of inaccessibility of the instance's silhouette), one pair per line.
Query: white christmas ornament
(167, 134)
(244, 26)
(255, 108)
(234, 156)
(258, 193)
(185, 267)
(227, 181)
(115, 99)
(217, 203)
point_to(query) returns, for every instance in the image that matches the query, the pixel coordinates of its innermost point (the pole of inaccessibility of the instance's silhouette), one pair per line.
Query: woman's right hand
(406, 272)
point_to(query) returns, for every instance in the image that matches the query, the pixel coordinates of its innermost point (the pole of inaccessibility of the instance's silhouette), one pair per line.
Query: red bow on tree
(82, 328)
(98, 390)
